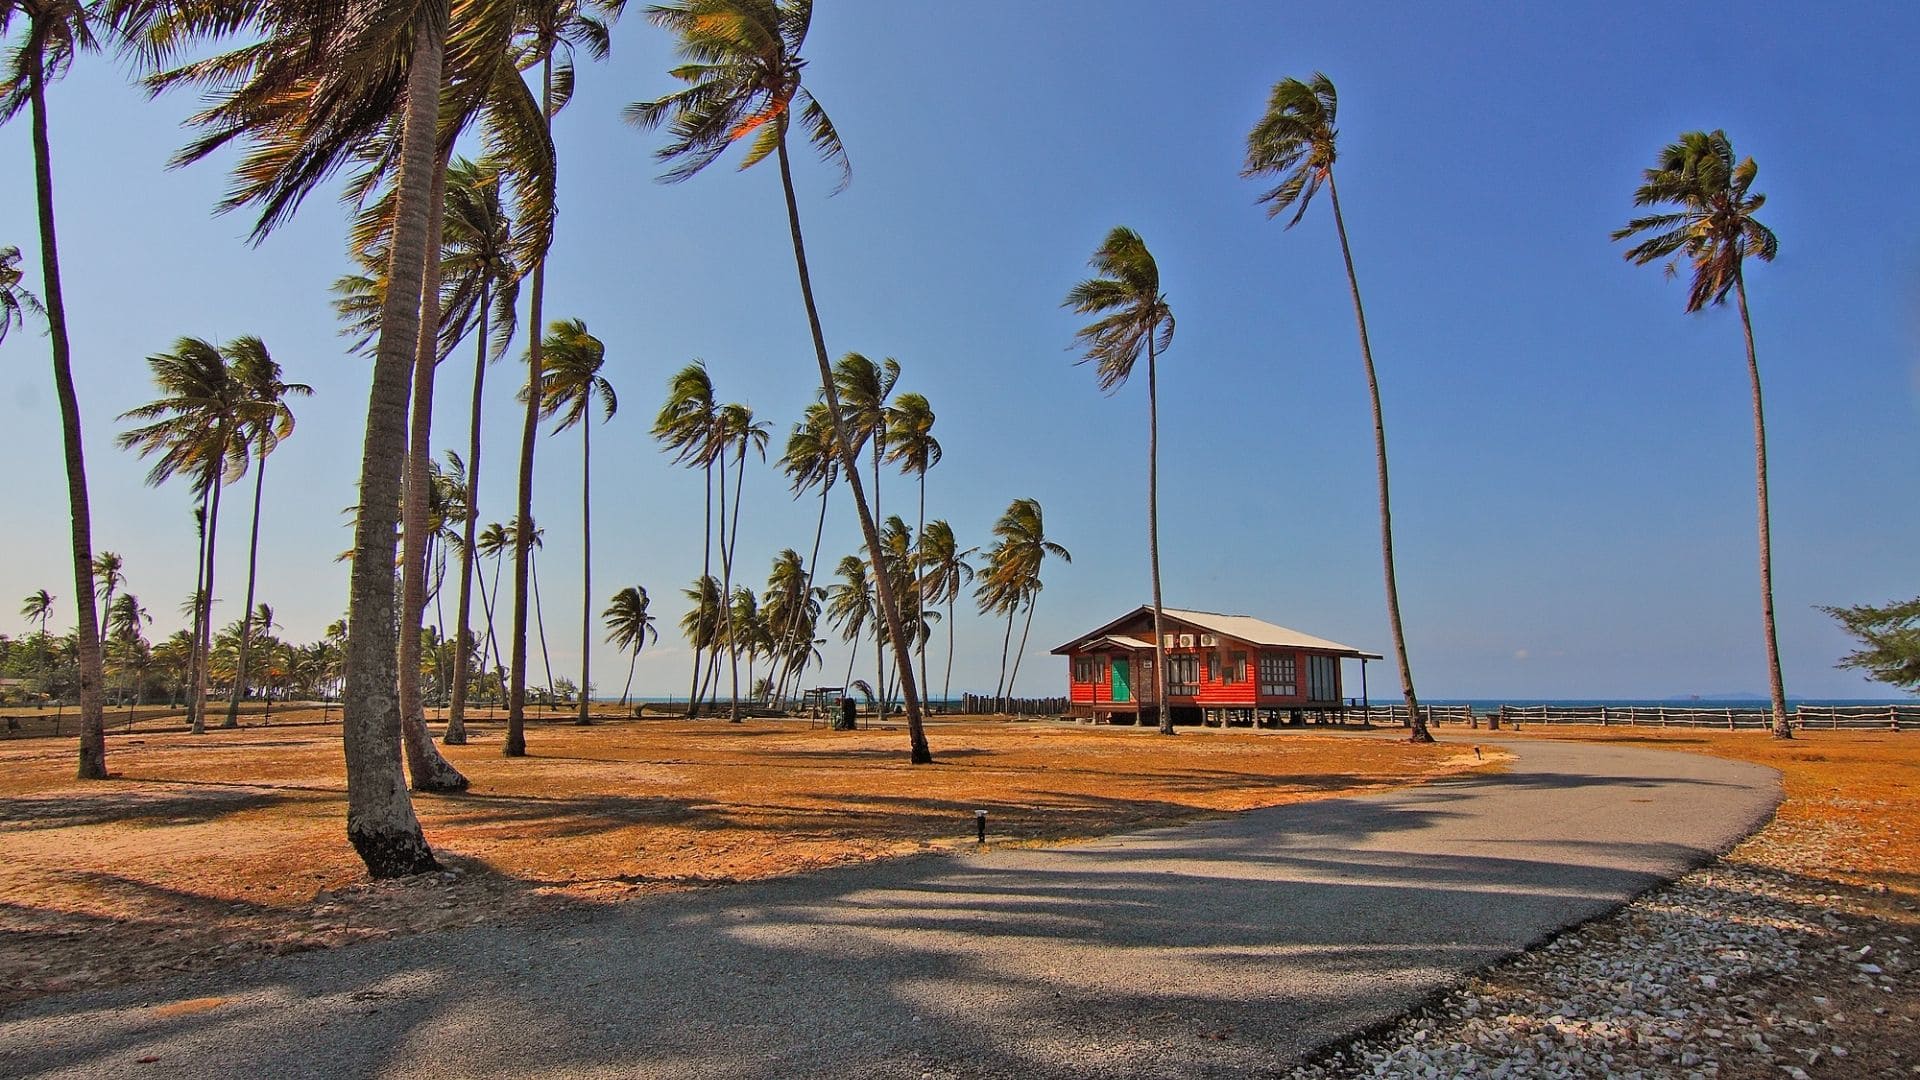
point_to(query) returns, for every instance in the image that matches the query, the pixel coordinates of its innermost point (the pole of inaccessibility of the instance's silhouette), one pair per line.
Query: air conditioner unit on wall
(1186, 641)
(1208, 641)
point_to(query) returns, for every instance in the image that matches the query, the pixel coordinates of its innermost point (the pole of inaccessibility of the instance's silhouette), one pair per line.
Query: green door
(1121, 690)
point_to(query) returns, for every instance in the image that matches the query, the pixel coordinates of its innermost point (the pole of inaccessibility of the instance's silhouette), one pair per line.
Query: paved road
(1225, 948)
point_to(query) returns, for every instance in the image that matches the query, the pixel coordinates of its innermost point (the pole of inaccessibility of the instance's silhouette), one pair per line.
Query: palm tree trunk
(706, 571)
(806, 594)
(194, 659)
(1153, 524)
(515, 744)
(919, 753)
(946, 688)
(246, 617)
(1024, 629)
(726, 599)
(426, 766)
(1419, 723)
(456, 733)
(540, 622)
(586, 562)
(380, 819)
(628, 689)
(919, 602)
(206, 610)
(726, 567)
(1006, 643)
(93, 741)
(1776, 688)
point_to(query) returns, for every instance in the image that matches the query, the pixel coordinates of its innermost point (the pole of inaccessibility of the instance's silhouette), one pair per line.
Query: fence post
(1893, 717)
(1729, 718)
(1663, 714)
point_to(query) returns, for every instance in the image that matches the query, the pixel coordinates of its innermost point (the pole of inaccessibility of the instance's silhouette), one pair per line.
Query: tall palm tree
(56, 31)
(269, 420)
(743, 75)
(1134, 318)
(1020, 549)
(554, 30)
(109, 573)
(571, 385)
(787, 608)
(701, 624)
(125, 619)
(16, 303)
(629, 627)
(735, 432)
(195, 428)
(944, 571)
(478, 251)
(494, 542)
(38, 607)
(810, 461)
(686, 426)
(911, 445)
(1297, 141)
(865, 389)
(1707, 214)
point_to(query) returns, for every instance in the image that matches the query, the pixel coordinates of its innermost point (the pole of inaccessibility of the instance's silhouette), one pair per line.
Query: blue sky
(1572, 454)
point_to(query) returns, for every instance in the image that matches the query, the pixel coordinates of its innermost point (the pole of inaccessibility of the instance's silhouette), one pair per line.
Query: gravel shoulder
(1230, 947)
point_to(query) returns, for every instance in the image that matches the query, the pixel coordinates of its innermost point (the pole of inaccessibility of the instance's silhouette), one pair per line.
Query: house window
(1085, 669)
(1183, 675)
(1236, 668)
(1277, 675)
(1323, 678)
(1209, 665)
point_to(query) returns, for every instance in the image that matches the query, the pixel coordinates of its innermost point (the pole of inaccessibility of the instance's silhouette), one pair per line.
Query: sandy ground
(210, 849)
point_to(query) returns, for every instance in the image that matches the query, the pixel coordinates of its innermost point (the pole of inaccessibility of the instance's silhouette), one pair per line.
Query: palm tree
(629, 627)
(865, 388)
(125, 618)
(810, 461)
(195, 428)
(911, 445)
(743, 75)
(701, 624)
(477, 248)
(15, 301)
(1296, 141)
(1134, 317)
(493, 543)
(735, 432)
(269, 420)
(57, 30)
(38, 607)
(554, 30)
(686, 426)
(108, 575)
(570, 386)
(944, 571)
(1014, 577)
(850, 605)
(788, 610)
(1712, 223)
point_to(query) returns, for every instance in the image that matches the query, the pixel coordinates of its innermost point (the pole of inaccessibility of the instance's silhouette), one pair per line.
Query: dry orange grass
(226, 845)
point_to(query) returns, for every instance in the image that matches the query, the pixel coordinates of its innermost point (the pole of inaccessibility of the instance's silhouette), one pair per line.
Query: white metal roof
(1244, 627)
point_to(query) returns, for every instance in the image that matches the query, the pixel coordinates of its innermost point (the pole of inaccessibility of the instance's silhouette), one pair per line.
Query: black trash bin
(848, 718)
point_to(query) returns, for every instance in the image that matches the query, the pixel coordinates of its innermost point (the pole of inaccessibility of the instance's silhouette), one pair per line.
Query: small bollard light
(980, 824)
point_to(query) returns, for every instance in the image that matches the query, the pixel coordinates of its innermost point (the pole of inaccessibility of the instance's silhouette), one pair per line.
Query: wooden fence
(1857, 717)
(988, 704)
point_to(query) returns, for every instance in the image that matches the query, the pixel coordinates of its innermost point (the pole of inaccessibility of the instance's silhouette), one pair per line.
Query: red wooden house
(1220, 669)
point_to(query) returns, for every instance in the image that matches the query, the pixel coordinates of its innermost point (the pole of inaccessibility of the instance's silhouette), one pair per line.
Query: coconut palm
(629, 628)
(109, 573)
(944, 571)
(744, 80)
(865, 389)
(269, 420)
(810, 461)
(1706, 213)
(477, 246)
(55, 32)
(911, 445)
(125, 620)
(701, 624)
(38, 607)
(493, 543)
(685, 426)
(16, 303)
(1297, 142)
(1013, 579)
(195, 428)
(571, 385)
(788, 610)
(735, 432)
(850, 605)
(1134, 318)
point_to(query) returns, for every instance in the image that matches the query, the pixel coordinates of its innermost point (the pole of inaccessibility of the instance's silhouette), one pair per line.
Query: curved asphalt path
(1230, 947)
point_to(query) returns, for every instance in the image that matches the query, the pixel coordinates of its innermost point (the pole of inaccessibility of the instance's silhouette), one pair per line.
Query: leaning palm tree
(865, 390)
(783, 609)
(850, 605)
(16, 303)
(38, 607)
(1013, 579)
(1707, 215)
(944, 571)
(55, 32)
(1134, 318)
(810, 461)
(743, 75)
(570, 386)
(477, 251)
(195, 428)
(1296, 141)
(685, 427)
(701, 624)
(629, 628)
(911, 445)
(269, 420)
(109, 573)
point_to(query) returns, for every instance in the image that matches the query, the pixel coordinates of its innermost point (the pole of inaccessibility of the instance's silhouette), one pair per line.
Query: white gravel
(1729, 972)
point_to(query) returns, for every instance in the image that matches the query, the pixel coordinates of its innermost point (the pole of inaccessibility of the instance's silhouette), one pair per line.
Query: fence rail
(1818, 717)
